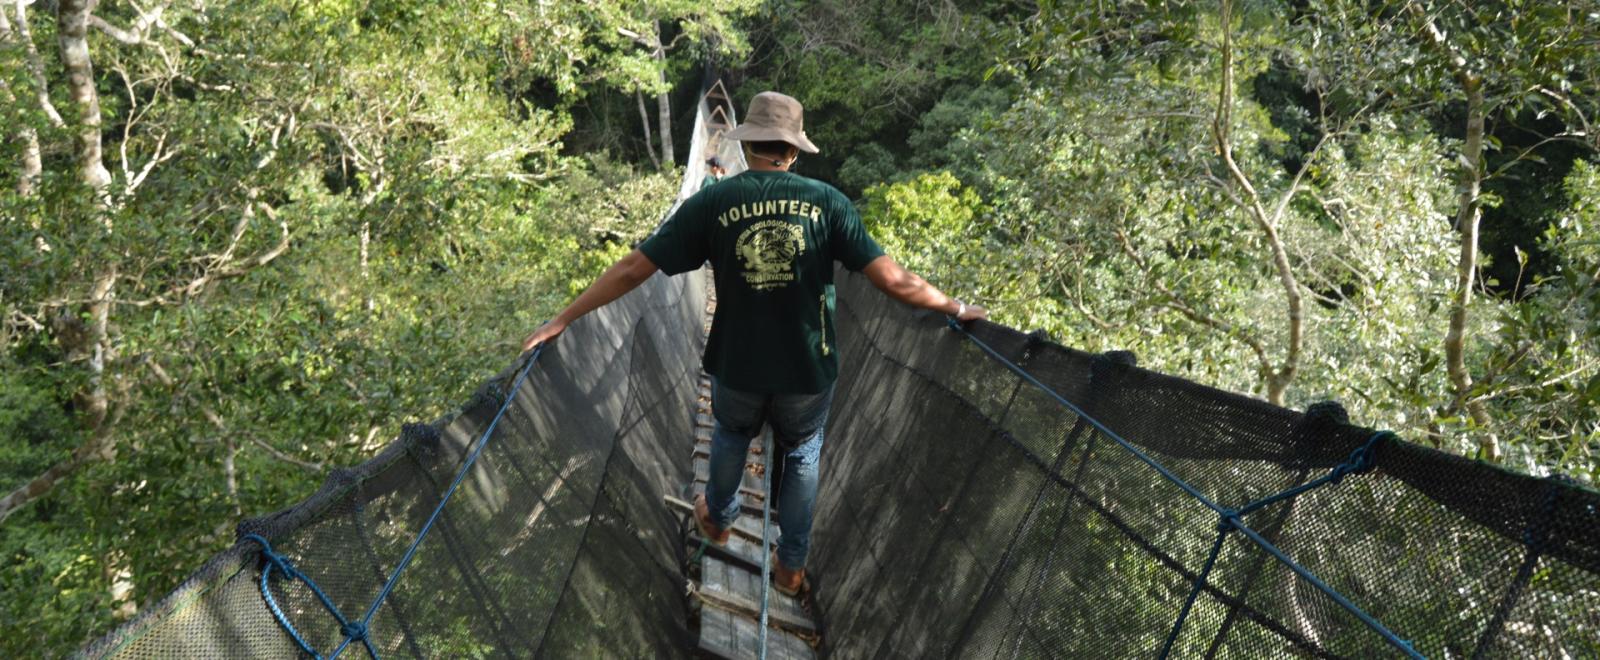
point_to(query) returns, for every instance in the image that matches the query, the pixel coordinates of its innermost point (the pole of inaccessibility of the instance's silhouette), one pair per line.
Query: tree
(1498, 55)
(299, 241)
(707, 27)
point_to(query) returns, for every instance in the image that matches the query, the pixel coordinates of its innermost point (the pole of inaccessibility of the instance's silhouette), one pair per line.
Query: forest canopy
(244, 242)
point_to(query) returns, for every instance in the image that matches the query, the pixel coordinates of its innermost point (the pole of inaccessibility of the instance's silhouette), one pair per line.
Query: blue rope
(1360, 460)
(1229, 519)
(1199, 584)
(282, 564)
(766, 524)
(355, 631)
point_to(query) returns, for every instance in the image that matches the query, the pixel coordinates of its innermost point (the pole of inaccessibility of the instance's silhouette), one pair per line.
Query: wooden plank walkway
(728, 577)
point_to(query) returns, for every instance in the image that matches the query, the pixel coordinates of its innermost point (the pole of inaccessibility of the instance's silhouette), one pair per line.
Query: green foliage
(1548, 373)
(1108, 220)
(343, 227)
(868, 74)
(439, 184)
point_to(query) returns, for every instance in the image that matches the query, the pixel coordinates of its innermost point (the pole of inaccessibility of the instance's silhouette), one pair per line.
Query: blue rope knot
(1361, 460)
(274, 559)
(356, 630)
(1227, 521)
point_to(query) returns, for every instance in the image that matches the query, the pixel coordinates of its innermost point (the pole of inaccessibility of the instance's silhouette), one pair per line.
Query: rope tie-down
(1228, 520)
(274, 561)
(1360, 460)
(359, 630)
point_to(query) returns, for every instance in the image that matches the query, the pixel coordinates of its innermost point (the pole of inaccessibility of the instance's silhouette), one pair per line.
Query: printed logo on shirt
(768, 250)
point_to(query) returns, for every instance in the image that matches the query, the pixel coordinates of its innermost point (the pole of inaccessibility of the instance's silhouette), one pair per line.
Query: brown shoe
(789, 582)
(702, 519)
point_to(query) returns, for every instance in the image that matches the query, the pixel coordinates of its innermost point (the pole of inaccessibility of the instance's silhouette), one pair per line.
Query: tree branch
(1469, 182)
(278, 454)
(1278, 379)
(1176, 303)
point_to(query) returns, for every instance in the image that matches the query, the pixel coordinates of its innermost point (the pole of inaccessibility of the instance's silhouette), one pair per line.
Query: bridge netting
(964, 511)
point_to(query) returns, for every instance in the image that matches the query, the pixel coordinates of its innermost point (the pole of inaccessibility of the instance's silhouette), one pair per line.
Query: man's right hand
(546, 332)
(973, 313)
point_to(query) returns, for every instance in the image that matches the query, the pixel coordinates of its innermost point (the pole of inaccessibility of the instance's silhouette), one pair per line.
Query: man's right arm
(623, 276)
(908, 287)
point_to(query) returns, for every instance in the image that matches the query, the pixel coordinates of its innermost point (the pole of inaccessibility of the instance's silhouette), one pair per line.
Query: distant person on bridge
(772, 237)
(714, 172)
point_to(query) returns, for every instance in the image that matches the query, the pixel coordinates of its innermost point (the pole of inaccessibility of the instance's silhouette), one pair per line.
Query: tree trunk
(72, 19)
(366, 275)
(36, 66)
(663, 106)
(1277, 379)
(32, 165)
(89, 344)
(379, 182)
(649, 141)
(1468, 215)
(120, 576)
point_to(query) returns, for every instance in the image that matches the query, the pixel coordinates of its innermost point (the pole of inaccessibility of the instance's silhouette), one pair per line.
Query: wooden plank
(727, 635)
(747, 526)
(702, 449)
(754, 496)
(737, 551)
(734, 588)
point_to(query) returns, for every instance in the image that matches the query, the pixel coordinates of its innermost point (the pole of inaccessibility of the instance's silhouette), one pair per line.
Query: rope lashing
(1228, 519)
(1360, 460)
(280, 563)
(360, 630)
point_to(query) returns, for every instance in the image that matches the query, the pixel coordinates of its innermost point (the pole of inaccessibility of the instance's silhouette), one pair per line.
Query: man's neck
(768, 162)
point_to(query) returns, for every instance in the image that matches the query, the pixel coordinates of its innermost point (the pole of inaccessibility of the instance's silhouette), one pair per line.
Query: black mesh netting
(963, 513)
(556, 543)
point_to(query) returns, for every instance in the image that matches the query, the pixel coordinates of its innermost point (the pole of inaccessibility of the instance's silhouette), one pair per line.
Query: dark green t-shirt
(772, 238)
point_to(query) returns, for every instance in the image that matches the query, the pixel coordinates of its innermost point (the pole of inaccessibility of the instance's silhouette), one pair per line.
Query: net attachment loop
(282, 564)
(1229, 520)
(1362, 460)
(358, 630)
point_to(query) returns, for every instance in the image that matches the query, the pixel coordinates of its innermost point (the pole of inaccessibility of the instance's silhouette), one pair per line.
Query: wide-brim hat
(774, 117)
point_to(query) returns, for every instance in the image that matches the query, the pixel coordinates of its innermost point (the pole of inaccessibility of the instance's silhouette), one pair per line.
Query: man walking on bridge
(771, 237)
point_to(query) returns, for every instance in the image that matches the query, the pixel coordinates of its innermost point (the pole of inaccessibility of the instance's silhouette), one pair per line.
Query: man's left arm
(624, 276)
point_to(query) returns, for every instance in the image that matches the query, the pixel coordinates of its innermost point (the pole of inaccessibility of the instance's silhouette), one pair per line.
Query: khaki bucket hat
(774, 116)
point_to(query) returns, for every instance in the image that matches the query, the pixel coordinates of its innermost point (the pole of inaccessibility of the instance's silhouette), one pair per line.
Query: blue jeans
(797, 422)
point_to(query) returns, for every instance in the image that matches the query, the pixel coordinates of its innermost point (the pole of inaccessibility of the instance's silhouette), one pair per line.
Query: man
(772, 237)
